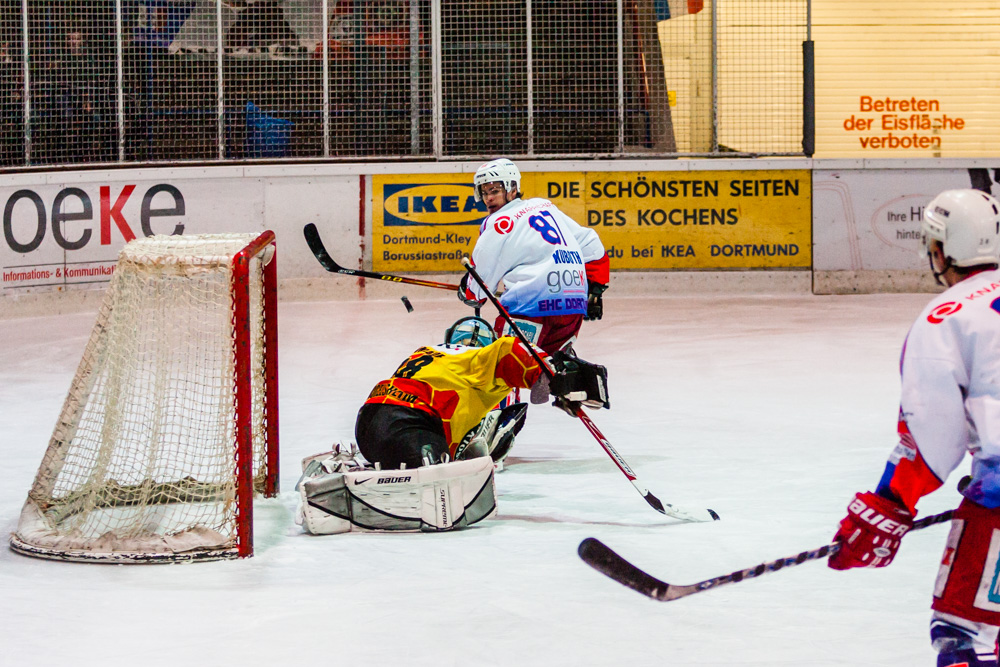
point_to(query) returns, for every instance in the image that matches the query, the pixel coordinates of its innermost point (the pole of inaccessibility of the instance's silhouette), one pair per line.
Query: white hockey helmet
(500, 170)
(470, 331)
(967, 223)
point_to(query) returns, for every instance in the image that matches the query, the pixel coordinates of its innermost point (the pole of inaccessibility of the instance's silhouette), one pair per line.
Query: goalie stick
(600, 557)
(664, 508)
(328, 263)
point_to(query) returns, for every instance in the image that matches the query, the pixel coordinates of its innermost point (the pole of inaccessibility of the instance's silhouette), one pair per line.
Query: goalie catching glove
(576, 382)
(871, 533)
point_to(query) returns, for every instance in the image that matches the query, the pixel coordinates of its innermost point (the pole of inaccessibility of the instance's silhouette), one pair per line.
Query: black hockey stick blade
(327, 262)
(600, 557)
(319, 250)
(675, 511)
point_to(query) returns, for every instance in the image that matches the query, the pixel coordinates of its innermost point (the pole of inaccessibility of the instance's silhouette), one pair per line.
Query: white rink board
(870, 219)
(64, 231)
(865, 223)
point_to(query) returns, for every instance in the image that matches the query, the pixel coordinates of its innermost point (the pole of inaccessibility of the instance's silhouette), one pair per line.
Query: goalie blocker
(446, 496)
(576, 382)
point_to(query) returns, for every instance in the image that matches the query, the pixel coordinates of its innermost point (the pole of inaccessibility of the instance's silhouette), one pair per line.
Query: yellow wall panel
(760, 219)
(895, 51)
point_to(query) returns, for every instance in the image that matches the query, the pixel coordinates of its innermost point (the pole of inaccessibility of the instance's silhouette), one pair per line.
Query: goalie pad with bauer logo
(446, 496)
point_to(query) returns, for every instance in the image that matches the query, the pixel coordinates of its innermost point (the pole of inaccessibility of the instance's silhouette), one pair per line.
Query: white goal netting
(143, 461)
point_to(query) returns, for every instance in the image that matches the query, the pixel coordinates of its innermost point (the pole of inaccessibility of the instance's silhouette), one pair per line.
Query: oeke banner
(646, 220)
(65, 236)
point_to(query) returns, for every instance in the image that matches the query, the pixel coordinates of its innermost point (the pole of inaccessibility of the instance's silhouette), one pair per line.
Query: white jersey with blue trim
(950, 367)
(535, 249)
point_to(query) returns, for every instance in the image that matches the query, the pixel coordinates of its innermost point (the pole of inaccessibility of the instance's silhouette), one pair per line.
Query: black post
(808, 98)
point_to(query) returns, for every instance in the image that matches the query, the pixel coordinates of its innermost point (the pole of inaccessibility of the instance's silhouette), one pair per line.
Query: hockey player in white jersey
(553, 270)
(949, 405)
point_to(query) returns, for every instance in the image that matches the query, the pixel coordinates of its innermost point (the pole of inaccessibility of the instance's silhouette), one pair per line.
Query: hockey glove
(870, 534)
(595, 301)
(578, 381)
(466, 296)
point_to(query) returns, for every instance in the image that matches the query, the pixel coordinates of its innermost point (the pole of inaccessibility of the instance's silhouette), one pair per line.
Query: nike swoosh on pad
(362, 481)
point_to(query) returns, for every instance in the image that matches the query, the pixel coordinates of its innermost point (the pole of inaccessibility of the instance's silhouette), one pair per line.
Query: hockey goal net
(171, 422)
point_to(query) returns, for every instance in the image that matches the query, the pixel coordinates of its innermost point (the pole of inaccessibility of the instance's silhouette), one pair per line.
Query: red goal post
(244, 396)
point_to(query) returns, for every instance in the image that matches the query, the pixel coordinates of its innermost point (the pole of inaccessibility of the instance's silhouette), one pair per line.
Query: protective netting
(142, 458)
(125, 81)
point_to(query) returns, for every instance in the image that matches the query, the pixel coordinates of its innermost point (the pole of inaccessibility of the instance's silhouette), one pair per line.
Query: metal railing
(152, 81)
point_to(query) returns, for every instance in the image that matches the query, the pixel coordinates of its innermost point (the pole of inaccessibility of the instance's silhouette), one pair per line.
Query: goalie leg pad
(494, 435)
(477, 441)
(508, 425)
(430, 499)
(325, 508)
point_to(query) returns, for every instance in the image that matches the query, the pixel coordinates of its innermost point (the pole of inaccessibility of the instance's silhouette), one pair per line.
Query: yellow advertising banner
(423, 222)
(646, 220)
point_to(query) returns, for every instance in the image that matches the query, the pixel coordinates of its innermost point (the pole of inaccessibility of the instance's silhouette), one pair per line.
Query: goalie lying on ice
(428, 420)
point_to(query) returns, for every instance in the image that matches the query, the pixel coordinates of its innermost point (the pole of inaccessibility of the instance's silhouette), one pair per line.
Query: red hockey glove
(870, 534)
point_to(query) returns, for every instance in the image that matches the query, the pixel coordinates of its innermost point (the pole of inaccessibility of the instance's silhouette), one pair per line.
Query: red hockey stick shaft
(654, 502)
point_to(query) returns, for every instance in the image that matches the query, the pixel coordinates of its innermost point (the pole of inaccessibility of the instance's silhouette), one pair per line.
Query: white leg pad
(431, 498)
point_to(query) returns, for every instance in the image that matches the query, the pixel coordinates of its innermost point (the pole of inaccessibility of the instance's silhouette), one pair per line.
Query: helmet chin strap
(938, 274)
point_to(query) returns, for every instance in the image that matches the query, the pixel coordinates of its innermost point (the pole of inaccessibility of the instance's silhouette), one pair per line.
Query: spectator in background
(76, 84)
(11, 102)
(163, 20)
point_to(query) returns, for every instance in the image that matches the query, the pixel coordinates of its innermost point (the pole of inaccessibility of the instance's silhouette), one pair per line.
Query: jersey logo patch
(937, 315)
(503, 224)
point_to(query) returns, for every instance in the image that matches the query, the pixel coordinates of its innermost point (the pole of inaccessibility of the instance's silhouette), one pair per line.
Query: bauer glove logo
(876, 519)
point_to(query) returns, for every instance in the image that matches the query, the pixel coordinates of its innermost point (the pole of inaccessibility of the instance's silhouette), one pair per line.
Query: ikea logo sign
(437, 204)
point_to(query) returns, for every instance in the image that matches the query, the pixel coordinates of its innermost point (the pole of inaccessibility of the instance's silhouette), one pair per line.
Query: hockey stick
(316, 245)
(597, 555)
(654, 502)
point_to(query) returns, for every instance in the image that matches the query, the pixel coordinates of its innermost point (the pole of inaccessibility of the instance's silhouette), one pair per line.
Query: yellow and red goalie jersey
(459, 384)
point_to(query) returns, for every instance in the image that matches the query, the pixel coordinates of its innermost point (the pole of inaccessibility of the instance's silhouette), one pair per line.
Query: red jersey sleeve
(599, 270)
(907, 476)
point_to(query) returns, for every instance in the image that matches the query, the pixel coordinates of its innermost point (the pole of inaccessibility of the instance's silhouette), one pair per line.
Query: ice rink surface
(771, 410)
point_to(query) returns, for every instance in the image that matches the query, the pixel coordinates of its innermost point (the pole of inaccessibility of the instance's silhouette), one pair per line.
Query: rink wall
(674, 226)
